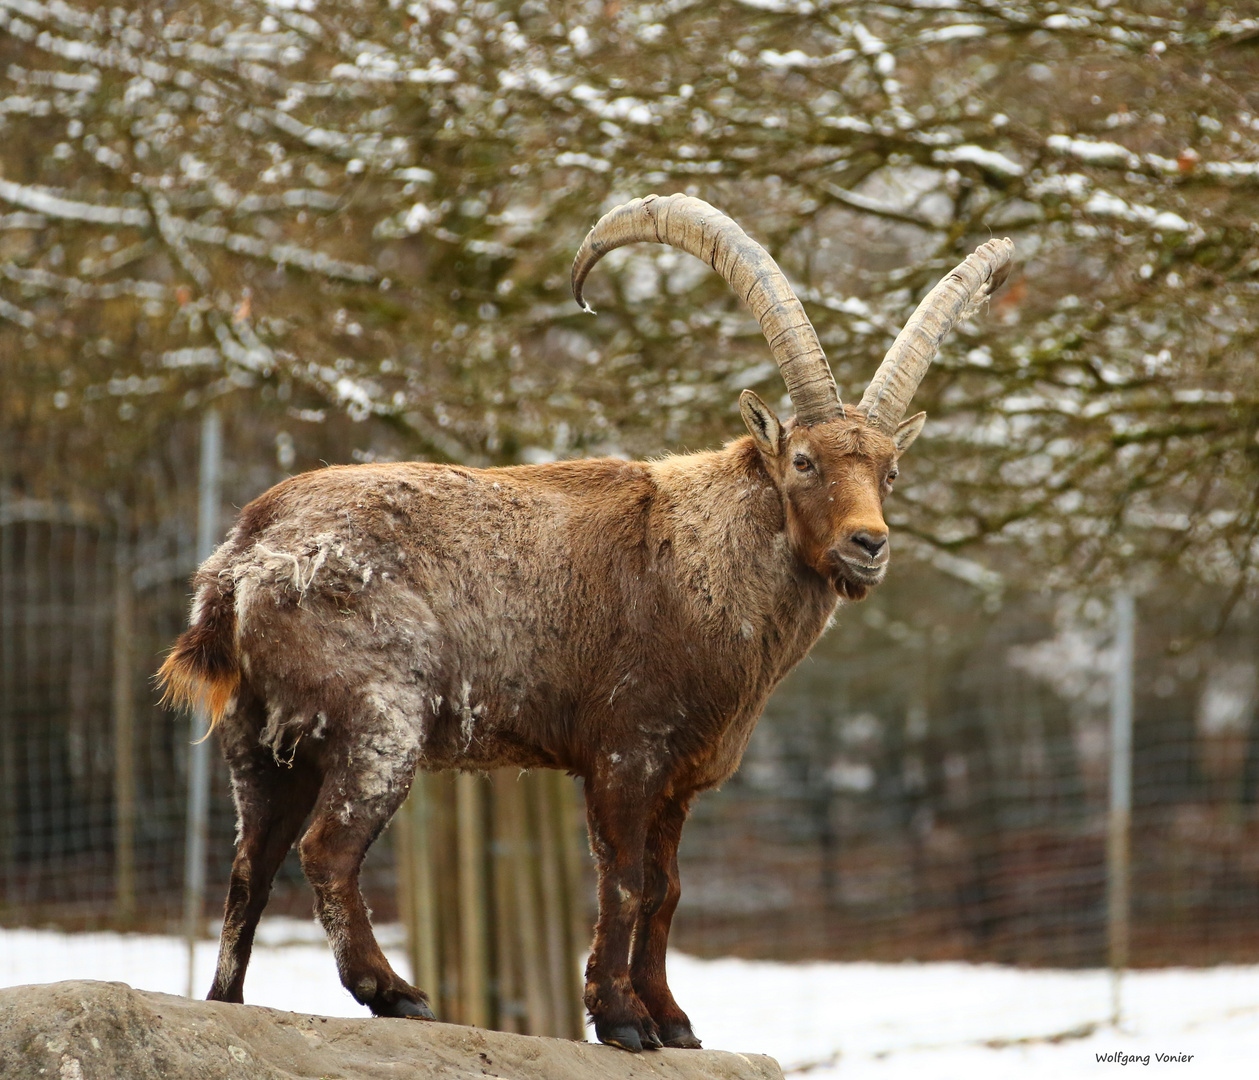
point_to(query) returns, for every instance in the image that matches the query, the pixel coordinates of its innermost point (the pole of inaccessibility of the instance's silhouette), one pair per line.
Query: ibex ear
(762, 423)
(908, 432)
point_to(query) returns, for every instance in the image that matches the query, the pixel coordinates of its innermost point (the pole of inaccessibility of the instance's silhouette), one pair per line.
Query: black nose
(871, 543)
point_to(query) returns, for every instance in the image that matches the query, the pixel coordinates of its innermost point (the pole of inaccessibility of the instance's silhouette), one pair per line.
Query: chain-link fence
(94, 773)
(932, 782)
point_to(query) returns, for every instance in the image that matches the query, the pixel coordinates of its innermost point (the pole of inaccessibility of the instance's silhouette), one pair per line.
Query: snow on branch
(44, 201)
(988, 160)
(174, 232)
(1094, 151)
(107, 56)
(253, 355)
(44, 279)
(372, 146)
(1104, 153)
(796, 59)
(1104, 204)
(55, 12)
(16, 314)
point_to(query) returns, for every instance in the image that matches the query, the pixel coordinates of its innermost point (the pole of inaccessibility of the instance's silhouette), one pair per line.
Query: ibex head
(833, 477)
(832, 465)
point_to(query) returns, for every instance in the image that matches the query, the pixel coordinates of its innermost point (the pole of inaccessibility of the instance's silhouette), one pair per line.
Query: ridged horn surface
(693, 226)
(955, 297)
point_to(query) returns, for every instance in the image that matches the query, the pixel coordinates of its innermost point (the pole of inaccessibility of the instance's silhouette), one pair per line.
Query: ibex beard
(623, 621)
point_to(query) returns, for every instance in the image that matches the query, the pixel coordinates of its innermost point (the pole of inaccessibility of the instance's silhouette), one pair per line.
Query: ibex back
(623, 621)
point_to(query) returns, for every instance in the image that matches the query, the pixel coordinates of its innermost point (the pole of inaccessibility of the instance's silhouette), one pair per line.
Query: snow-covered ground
(849, 1021)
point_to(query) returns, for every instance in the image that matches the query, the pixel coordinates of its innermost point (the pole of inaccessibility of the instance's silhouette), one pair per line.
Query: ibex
(623, 621)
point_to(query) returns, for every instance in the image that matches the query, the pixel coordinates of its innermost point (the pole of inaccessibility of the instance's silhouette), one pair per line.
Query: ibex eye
(802, 463)
(893, 475)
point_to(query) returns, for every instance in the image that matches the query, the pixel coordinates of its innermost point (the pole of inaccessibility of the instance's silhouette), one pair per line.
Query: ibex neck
(724, 518)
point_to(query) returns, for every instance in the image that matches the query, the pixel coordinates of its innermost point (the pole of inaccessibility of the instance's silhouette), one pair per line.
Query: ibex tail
(202, 668)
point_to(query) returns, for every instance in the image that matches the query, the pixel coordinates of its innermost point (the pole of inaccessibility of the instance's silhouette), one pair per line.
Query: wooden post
(428, 969)
(577, 937)
(519, 932)
(473, 931)
(554, 917)
(510, 1009)
(444, 856)
(417, 899)
(124, 738)
(537, 1010)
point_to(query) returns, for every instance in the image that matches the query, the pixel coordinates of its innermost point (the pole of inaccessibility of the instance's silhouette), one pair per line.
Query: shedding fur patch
(301, 570)
(467, 714)
(275, 736)
(229, 953)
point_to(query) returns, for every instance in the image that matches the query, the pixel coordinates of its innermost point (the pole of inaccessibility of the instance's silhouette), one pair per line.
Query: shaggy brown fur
(623, 621)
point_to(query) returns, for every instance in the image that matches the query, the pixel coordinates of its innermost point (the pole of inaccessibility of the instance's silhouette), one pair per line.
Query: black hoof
(626, 1036)
(404, 1009)
(680, 1037)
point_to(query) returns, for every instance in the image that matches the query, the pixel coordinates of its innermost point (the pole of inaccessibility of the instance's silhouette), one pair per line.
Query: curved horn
(694, 226)
(962, 290)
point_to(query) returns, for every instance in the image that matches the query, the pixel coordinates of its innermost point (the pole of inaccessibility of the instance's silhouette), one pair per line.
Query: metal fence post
(124, 734)
(1120, 817)
(209, 499)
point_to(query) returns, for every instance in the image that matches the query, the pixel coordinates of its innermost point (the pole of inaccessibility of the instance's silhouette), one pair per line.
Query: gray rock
(108, 1031)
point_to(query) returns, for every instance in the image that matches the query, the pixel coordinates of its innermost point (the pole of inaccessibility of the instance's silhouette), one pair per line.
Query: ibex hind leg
(350, 813)
(272, 801)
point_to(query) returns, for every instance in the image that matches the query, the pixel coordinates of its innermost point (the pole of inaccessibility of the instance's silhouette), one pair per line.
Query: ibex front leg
(661, 890)
(618, 829)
